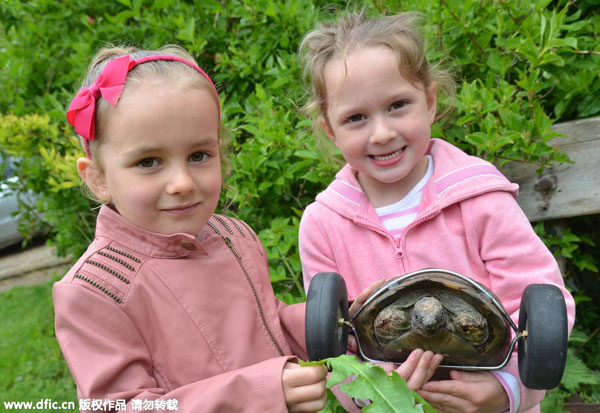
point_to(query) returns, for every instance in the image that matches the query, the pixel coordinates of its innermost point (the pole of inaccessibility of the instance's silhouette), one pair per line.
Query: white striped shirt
(397, 216)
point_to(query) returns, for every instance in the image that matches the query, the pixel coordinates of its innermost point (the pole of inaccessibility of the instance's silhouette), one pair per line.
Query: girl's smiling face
(380, 121)
(160, 162)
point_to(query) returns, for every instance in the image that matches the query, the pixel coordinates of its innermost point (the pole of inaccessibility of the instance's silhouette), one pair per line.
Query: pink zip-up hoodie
(192, 321)
(468, 222)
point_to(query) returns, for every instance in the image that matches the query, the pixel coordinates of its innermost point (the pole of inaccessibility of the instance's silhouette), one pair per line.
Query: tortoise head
(471, 326)
(428, 316)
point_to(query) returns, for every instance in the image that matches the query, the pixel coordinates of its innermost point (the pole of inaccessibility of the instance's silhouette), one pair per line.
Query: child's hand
(417, 369)
(356, 304)
(304, 388)
(466, 392)
(362, 297)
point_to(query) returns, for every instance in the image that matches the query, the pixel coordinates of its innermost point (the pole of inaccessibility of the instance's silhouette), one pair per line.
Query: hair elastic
(109, 84)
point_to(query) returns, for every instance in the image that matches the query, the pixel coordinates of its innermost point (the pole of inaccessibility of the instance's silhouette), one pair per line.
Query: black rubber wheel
(543, 353)
(326, 303)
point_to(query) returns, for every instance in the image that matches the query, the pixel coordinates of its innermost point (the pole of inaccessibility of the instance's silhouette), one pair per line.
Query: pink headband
(109, 85)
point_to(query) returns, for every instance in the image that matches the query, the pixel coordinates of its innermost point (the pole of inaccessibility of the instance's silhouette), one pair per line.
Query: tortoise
(447, 313)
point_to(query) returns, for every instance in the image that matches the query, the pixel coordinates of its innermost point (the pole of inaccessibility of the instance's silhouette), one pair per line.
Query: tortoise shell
(434, 310)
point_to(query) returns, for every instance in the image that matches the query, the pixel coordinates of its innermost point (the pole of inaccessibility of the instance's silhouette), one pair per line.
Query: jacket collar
(456, 177)
(112, 225)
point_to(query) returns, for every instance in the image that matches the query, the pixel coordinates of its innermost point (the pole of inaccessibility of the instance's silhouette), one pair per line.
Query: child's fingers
(419, 367)
(420, 373)
(308, 402)
(467, 391)
(362, 297)
(294, 375)
(406, 369)
(312, 406)
(304, 388)
(310, 398)
(435, 363)
(444, 403)
(352, 345)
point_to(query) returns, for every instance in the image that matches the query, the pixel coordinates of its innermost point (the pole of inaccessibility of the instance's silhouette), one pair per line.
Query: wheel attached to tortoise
(543, 354)
(326, 305)
(447, 313)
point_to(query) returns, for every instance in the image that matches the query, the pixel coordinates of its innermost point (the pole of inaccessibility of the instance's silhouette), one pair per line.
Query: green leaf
(388, 393)
(264, 185)
(586, 262)
(126, 3)
(577, 373)
(187, 31)
(332, 405)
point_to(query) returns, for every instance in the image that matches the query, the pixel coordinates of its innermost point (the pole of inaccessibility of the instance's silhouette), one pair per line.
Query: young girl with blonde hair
(171, 307)
(405, 201)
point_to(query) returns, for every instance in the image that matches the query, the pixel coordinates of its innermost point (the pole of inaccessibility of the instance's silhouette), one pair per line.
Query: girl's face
(160, 157)
(379, 120)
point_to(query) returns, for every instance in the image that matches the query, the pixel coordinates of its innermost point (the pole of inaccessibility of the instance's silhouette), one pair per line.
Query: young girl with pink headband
(171, 304)
(404, 201)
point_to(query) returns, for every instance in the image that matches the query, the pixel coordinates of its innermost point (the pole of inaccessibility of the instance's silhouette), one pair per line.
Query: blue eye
(147, 163)
(198, 156)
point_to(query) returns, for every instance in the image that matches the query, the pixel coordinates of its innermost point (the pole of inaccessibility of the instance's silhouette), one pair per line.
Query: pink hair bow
(109, 85)
(82, 110)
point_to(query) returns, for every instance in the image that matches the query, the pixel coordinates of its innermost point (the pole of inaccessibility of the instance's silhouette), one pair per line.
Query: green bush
(45, 153)
(522, 66)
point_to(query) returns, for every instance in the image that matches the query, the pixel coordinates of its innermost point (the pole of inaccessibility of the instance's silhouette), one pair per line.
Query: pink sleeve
(515, 257)
(109, 360)
(315, 248)
(292, 323)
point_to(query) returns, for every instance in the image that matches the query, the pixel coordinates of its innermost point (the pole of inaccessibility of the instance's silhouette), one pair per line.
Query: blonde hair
(335, 40)
(166, 69)
(137, 75)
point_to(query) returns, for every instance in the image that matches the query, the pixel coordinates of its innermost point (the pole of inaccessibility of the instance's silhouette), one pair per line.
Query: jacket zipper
(238, 257)
(398, 241)
(420, 219)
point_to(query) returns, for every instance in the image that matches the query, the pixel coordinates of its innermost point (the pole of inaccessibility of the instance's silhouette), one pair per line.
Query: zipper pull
(232, 247)
(398, 247)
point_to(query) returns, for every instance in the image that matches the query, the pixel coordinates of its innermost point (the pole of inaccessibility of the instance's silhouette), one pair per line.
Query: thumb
(466, 376)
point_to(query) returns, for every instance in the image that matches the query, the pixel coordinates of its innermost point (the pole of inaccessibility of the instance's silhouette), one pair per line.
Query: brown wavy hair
(354, 30)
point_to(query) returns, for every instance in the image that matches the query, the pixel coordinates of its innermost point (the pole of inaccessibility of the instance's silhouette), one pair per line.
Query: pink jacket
(147, 316)
(468, 222)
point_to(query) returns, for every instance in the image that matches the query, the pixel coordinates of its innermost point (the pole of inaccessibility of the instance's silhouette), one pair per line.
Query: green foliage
(522, 64)
(46, 160)
(576, 376)
(583, 280)
(388, 393)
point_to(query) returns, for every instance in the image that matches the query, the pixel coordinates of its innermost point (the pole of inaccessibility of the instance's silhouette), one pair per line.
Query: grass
(33, 367)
